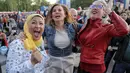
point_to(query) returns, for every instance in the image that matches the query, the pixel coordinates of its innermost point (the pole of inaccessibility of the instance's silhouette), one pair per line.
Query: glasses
(96, 6)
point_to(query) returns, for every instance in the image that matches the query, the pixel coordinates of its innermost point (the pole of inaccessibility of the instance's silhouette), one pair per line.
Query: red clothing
(4, 20)
(5, 41)
(99, 68)
(95, 36)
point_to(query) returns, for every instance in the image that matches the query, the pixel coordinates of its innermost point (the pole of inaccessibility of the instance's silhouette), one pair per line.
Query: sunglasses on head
(96, 6)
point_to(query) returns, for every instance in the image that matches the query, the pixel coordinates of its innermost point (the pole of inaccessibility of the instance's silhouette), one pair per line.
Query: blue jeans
(121, 68)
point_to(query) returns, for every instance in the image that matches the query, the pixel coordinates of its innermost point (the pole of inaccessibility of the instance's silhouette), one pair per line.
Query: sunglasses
(96, 6)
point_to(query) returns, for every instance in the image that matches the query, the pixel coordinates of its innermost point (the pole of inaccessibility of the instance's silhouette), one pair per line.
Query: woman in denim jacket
(59, 35)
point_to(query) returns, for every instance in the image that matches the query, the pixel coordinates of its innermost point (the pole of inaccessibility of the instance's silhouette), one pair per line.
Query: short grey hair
(72, 9)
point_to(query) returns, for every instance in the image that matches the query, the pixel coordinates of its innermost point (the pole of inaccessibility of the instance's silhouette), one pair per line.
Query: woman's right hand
(36, 57)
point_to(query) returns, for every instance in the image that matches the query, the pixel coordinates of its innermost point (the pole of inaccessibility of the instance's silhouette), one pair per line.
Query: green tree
(82, 3)
(21, 5)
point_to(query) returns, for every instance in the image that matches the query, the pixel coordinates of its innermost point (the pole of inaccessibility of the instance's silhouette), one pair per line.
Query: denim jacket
(49, 34)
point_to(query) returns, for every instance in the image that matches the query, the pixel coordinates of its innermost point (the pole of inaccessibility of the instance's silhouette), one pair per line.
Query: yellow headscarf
(29, 43)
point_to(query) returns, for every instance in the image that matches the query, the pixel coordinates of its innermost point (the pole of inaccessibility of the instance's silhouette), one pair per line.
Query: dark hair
(123, 12)
(81, 13)
(14, 28)
(116, 10)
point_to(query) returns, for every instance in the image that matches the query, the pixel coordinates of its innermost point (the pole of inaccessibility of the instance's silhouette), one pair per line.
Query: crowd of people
(67, 40)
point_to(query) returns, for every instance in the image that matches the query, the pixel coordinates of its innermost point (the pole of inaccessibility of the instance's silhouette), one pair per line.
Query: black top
(2, 43)
(128, 21)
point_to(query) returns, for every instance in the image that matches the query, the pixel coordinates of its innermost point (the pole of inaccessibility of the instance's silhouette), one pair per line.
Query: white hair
(72, 9)
(104, 20)
(102, 1)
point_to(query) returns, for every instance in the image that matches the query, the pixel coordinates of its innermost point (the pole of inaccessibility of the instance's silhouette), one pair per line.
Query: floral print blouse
(18, 59)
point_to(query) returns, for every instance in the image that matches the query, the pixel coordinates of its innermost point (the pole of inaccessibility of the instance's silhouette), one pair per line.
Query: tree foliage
(21, 5)
(31, 5)
(82, 3)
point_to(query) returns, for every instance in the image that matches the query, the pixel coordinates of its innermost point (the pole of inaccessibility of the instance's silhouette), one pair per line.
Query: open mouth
(94, 12)
(37, 33)
(58, 16)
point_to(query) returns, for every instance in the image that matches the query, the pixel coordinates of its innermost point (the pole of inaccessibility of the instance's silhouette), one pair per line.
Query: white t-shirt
(61, 39)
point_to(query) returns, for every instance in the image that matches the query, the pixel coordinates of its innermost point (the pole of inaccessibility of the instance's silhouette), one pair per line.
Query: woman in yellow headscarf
(28, 55)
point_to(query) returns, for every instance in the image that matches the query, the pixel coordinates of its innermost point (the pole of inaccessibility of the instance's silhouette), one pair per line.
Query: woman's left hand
(108, 9)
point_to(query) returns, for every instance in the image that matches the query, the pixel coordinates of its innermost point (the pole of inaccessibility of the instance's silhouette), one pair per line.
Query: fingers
(33, 60)
(110, 4)
(107, 11)
(37, 55)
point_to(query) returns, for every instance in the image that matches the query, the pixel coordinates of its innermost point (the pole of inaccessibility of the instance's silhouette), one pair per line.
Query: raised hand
(110, 4)
(108, 9)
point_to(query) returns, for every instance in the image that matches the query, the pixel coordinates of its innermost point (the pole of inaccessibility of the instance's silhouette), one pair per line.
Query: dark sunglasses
(96, 6)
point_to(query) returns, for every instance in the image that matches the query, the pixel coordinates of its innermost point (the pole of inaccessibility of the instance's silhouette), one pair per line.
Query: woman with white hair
(95, 36)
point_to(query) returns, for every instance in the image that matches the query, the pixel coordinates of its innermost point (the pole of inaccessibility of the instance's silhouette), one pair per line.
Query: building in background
(127, 4)
(66, 2)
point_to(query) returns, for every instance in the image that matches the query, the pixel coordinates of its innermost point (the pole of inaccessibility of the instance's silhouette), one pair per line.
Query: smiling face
(36, 27)
(58, 13)
(96, 10)
(74, 14)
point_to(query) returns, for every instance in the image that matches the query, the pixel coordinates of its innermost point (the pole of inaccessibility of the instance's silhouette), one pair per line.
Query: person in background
(129, 13)
(13, 35)
(74, 14)
(14, 16)
(95, 36)
(76, 48)
(81, 17)
(122, 61)
(124, 15)
(3, 44)
(12, 24)
(112, 48)
(27, 54)
(120, 5)
(3, 39)
(1, 23)
(4, 21)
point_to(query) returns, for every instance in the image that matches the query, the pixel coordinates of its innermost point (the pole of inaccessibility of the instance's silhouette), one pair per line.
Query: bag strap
(76, 31)
(75, 27)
